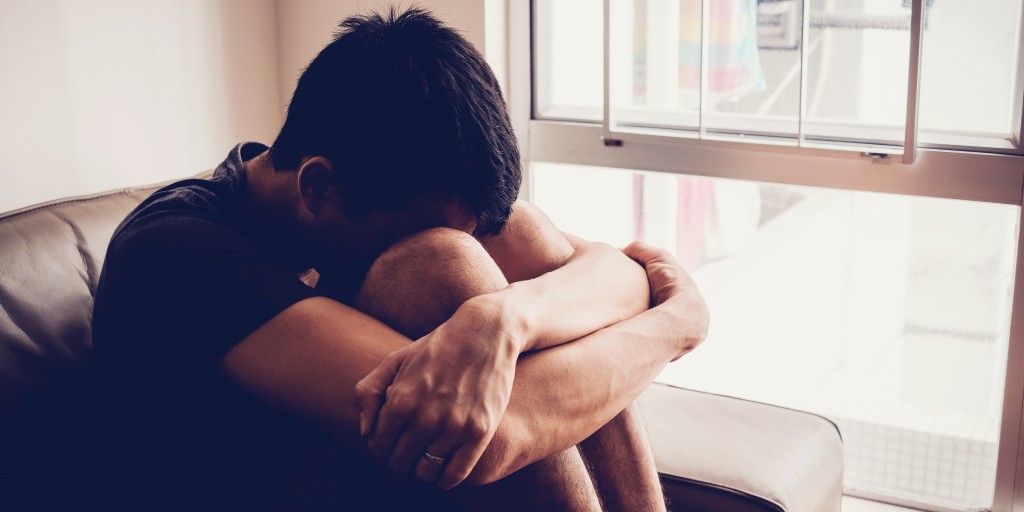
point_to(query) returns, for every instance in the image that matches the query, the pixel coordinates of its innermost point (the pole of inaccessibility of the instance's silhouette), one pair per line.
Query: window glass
(856, 76)
(753, 65)
(887, 314)
(655, 59)
(857, 71)
(569, 59)
(969, 60)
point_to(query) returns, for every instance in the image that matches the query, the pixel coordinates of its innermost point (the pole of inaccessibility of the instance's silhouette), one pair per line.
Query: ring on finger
(434, 459)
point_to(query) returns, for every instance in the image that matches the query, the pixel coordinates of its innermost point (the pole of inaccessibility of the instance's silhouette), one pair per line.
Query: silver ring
(433, 458)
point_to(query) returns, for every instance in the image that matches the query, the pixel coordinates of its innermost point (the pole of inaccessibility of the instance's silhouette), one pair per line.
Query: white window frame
(993, 176)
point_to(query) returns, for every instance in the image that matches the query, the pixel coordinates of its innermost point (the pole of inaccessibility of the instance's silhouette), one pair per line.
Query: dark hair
(402, 105)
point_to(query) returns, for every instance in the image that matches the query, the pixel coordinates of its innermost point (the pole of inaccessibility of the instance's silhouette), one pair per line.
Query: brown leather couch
(715, 453)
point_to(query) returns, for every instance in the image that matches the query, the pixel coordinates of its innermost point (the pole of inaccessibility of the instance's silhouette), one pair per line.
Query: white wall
(102, 94)
(99, 94)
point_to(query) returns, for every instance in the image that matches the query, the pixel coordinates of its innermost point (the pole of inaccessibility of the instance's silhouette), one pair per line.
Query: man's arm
(564, 394)
(565, 296)
(562, 287)
(308, 358)
(401, 398)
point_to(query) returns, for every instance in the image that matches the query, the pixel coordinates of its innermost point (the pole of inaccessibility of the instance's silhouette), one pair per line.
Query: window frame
(749, 127)
(990, 175)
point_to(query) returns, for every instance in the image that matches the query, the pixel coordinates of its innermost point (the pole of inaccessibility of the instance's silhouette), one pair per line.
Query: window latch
(876, 157)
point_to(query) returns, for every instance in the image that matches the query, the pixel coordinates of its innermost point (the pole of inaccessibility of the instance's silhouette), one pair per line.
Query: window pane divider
(606, 120)
(913, 81)
(705, 38)
(805, 54)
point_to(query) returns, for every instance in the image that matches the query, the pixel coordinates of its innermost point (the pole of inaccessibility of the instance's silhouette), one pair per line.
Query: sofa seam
(90, 271)
(16, 323)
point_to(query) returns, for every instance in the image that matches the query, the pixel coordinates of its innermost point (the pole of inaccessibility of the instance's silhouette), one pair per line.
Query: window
(852, 77)
(763, 148)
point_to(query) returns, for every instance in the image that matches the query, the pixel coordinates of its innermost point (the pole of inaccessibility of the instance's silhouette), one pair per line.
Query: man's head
(398, 112)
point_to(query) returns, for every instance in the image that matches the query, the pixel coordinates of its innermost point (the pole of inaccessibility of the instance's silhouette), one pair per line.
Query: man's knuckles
(365, 390)
(476, 427)
(400, 403)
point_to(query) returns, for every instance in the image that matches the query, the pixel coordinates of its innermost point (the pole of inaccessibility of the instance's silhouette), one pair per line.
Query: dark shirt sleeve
(180, 290)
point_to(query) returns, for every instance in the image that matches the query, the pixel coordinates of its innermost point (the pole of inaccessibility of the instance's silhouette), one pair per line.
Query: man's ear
(316, 183)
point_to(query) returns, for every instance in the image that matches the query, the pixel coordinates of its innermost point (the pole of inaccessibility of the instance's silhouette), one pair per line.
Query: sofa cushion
(50, 261)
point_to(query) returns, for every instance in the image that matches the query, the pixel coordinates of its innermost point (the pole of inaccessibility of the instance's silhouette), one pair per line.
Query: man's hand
(671, 284)
(664, 274)
(443, 395)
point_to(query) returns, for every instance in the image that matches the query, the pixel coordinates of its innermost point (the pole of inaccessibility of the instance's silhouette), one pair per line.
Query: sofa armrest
(719, 453)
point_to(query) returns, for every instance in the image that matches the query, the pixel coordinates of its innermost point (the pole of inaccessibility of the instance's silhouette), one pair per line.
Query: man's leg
(620, 460)
(418, 284)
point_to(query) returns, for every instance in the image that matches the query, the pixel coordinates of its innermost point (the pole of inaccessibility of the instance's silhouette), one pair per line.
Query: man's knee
(435, 262)
(420, 281)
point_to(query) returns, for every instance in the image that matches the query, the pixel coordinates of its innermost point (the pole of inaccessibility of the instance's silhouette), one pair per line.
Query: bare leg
(621, 462)
(415, 286)
(418, 283)
(618, 455)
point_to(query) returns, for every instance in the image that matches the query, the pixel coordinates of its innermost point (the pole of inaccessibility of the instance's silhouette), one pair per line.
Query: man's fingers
(461, 463)
(640, 252)
(429, 470)
(410, 447)
(368, 402)
(394, 417)
(371, 390)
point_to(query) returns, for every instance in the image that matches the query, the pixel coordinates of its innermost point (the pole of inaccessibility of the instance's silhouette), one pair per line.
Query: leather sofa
(714, 453)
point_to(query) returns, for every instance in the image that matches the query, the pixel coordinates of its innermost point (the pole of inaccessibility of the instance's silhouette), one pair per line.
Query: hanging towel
(734, 67)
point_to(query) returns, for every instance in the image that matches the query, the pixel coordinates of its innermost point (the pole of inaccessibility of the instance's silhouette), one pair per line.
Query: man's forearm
(597, 287)
(564, 394)
(563, 287)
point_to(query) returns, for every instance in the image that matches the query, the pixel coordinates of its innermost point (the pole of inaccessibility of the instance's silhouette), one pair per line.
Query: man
(394, 178)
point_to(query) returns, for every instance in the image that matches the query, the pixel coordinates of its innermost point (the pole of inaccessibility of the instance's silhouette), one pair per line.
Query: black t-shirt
(184, 280)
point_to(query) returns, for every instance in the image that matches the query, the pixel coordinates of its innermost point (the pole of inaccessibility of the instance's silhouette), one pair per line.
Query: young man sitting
(391, 189)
